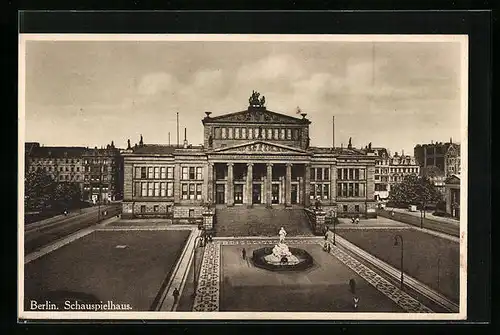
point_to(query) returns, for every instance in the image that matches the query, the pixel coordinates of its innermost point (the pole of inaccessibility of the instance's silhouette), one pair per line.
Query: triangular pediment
(259, 147)
(256, 115)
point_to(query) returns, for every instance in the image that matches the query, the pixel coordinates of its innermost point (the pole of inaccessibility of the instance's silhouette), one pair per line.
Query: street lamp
(396, 243)
(334, 234)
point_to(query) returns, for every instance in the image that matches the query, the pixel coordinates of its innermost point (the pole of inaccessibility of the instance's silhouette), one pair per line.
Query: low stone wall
(317, 220)
(181, 214)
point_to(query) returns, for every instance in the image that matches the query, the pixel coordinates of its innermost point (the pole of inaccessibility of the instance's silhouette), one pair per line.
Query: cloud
(154, 83)
(275, 67)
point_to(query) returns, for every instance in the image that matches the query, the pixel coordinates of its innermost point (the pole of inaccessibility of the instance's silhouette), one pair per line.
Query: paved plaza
(229, 283)
(140, 262)
(126, 267)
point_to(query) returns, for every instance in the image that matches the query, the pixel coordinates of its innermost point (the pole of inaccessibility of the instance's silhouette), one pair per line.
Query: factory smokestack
(185, 138)
(177, 129)
(333, 132)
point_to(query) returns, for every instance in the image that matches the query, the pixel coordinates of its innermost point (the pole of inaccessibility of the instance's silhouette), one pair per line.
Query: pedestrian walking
(176, 295)
(352, 286)
(355, 301)
(244, 254)
(329, 248)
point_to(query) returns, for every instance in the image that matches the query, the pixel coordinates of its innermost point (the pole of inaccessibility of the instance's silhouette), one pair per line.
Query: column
(288, 185)
(333, 184)
(177, 183)
(307, 185)
(269, 179)
(230, 185)
(249, 184)
(210, 183)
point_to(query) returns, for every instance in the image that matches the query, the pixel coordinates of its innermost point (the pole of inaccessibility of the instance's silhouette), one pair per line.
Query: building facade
(254, 157)
(103, 174)
(63, 164)
(444, 156)
(452, 195)
(98, 172)
(391, 170)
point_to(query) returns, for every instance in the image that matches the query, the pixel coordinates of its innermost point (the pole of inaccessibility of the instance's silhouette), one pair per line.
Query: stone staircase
(261, 221)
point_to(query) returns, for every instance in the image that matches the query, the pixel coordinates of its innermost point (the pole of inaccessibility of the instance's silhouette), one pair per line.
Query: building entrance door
(256, 196)
(294, 193)
(275, 194)
(238, 194)
(220, 194)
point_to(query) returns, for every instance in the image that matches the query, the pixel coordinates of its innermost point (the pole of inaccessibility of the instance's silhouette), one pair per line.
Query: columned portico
(230, 184)
(249, 185)
(288, 185)
(307, 185)
(269, 179)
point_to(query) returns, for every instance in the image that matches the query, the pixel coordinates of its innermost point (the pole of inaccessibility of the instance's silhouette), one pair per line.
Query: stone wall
(317, 220)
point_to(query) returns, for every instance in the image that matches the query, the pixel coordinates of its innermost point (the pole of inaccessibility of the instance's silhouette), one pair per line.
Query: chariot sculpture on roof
(254, 100)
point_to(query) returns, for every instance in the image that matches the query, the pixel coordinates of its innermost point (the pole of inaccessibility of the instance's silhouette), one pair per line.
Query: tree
(38, 190)
(66, 195)
(415, 190)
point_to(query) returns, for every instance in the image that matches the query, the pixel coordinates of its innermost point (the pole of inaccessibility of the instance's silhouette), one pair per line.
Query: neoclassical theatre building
(254, 157)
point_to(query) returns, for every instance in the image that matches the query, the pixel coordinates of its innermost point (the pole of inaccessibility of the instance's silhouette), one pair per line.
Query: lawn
(432, 260)
(324, 288)
(125, 267)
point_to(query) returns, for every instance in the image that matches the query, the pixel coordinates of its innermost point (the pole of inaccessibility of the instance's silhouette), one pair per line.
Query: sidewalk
(428, 215)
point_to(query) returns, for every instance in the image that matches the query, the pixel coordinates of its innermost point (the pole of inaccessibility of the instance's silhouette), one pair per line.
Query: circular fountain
(281, 257)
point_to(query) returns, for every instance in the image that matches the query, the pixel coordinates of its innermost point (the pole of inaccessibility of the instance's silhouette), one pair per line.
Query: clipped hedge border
(259, 254)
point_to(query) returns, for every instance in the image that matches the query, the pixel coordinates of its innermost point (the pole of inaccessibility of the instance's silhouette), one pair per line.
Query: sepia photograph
(198, 176)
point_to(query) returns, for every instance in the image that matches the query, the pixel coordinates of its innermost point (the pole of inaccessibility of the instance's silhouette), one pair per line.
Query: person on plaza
(352, 286)
(176, 295)
(355, 301)
(325, 246)
(244, 254)
(329, 248)
(357, 220)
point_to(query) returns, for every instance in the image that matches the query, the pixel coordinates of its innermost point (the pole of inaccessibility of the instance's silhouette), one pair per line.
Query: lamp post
(334, 233)
(194, 264)
(396, 243)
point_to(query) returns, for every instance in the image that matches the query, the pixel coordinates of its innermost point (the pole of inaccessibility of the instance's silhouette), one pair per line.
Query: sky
(392, 94)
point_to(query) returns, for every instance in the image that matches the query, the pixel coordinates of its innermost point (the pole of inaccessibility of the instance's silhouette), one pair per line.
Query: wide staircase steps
(261, 221)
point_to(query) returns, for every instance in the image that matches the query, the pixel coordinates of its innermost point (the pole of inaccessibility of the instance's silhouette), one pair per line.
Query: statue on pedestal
(282, 234)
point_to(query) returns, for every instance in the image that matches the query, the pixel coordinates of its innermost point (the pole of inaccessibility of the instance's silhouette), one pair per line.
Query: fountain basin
(271, 258)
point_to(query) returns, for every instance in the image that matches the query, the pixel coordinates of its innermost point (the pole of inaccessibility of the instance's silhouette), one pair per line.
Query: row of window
(191, 191)
(320, 174)
(350, 190)
(50, 161)
(380, 187)
(68, 177)
(256, 133)
(384, 179)
(350, 174)
(67, 169)
(96, 189)
(154, 189)
(162, 172)
(319, 190)
(156, 172)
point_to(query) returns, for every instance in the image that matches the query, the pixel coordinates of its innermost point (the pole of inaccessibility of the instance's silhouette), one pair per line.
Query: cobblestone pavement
(208, 290)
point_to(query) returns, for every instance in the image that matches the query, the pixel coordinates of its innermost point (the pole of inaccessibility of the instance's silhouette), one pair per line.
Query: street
(37, 236)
